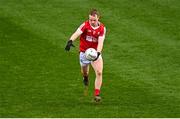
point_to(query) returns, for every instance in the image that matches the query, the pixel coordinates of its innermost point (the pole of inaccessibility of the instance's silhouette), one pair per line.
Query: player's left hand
(98, 54)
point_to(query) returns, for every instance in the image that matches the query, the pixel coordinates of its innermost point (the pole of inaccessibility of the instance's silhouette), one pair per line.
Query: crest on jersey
(88, 30)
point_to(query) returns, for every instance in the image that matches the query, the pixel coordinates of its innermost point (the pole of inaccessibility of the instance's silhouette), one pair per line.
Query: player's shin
(86, 80)
(98, 83)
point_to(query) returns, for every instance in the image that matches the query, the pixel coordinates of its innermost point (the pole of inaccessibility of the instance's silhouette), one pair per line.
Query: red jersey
(90, 35)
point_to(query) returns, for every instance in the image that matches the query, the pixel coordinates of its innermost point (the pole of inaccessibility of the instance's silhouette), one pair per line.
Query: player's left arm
(101, 41)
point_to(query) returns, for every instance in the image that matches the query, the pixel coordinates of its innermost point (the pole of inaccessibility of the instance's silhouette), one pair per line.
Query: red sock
(96, 92)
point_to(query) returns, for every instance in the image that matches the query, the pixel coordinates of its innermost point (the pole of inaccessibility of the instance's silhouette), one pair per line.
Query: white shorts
(83, 60)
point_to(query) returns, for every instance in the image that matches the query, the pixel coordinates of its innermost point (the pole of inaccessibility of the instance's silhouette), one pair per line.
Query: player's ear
(98, 17)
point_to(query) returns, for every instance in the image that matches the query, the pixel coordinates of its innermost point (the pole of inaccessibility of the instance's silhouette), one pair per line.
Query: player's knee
(99, 73)
(85, 73)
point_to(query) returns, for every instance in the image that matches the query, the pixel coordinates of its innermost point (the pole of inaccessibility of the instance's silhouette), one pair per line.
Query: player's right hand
(69, 45)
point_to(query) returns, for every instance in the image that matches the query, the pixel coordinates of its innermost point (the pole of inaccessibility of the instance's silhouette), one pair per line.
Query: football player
(92, 35)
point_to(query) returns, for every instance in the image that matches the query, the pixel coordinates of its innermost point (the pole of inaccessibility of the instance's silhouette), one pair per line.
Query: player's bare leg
(85, 73)
(98, 68)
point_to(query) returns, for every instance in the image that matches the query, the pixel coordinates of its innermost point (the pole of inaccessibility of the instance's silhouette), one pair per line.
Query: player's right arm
(74, 36)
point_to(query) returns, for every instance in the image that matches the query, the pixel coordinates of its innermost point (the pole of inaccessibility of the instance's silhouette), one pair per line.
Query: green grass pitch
(141, 59)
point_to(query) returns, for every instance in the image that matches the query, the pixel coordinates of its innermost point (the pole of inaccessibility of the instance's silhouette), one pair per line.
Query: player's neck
(96, 26)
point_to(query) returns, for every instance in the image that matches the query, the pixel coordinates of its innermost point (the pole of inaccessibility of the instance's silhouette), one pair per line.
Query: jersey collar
(95, 27)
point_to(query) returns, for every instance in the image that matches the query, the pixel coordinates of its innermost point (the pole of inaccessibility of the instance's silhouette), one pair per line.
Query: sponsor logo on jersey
(91, 39)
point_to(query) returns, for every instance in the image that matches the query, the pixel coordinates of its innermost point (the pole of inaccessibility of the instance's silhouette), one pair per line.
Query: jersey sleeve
(82, 27)
(102, 32)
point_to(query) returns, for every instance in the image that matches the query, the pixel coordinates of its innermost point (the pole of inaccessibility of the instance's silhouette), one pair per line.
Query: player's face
(93, 20)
